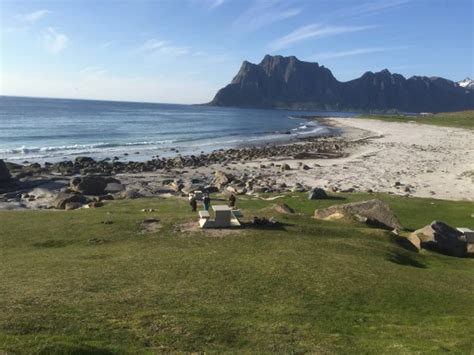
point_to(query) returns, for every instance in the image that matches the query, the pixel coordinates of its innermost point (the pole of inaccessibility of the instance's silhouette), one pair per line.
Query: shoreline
(368, 156)
(138, 152)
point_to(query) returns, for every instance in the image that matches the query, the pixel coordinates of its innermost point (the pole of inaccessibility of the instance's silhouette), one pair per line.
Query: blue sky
(183, 51)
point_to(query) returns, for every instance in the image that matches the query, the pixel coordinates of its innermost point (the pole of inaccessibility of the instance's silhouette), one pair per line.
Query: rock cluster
(323, 146)
(440, 237)
(373, 212)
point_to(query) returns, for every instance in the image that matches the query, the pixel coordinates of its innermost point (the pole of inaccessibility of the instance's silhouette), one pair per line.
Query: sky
(183, 51)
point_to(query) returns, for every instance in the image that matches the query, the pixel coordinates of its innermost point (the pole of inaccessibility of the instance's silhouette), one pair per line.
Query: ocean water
(38, 130)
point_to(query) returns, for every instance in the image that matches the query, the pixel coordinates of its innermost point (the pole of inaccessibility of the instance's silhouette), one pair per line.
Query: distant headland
(288, 83)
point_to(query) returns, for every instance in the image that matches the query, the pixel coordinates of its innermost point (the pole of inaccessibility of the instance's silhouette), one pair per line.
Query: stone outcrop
(375, 212)
(440, 237)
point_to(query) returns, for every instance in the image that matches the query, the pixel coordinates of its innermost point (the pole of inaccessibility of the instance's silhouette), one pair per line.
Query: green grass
(462, 119)
(71, 284)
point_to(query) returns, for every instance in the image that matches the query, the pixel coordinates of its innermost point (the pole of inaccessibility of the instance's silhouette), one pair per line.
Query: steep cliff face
(286, 82)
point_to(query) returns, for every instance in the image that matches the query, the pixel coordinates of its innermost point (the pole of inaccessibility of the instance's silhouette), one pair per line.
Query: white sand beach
(401, 158)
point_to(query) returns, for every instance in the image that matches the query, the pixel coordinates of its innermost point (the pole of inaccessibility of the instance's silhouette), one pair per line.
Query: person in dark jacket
(193, 203)
(207, 202)
(232, 200)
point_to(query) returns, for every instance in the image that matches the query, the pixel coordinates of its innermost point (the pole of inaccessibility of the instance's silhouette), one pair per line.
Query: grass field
(462, 119)
(72, 284)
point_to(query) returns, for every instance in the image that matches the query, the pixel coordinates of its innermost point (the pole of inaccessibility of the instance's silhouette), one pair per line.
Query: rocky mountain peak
(287, 82)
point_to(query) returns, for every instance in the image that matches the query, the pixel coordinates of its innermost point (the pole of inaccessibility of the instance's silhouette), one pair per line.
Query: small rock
(317, 194)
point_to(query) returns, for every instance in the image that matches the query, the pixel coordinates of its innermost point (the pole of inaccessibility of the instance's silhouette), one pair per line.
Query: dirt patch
(150, 225)
(192, 228)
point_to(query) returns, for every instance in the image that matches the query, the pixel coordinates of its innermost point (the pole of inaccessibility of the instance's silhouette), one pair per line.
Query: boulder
(129, 194)
(89, 185)
(4, 172)
(222, 179)
(373, 212)
(283, 208)
(64, 198)
(284, 167)
(176, 185)
(410, 242)
(439, 236)
(317, 194)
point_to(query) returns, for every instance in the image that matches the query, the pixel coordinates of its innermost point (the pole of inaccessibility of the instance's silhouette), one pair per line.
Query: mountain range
(286, 82)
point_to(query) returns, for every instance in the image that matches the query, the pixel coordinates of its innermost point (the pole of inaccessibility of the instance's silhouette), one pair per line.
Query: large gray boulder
(89, 185)
(373, 212)
(438, 236)
(4, 172)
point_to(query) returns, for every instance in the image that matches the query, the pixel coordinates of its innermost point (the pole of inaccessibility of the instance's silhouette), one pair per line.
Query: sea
(43, 129)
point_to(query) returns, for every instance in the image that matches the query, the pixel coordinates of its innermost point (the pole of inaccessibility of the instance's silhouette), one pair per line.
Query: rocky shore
(85, 181)
(370, 156)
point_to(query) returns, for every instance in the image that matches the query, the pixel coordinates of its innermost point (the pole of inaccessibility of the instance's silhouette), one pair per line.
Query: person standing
(207, 202)
(193, 203)
(232, 200)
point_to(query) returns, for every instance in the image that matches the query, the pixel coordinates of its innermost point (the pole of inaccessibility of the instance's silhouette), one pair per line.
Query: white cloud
(313, 31)
(155, 47)
(263, 13)
(357, 51)
(54, 41)
(33, 16)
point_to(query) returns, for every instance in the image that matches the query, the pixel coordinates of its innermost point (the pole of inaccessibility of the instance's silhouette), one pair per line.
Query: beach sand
(400, 158)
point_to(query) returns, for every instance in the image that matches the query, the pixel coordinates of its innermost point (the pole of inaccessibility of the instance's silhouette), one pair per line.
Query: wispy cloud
(357, 51)
(212, 4)
(155, 47)
(54, 41)
(313, 31)
(33, 16)
(263, 13)
(372, 7)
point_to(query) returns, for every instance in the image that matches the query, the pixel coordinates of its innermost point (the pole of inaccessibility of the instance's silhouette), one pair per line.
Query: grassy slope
(311, 286)
(463, 119)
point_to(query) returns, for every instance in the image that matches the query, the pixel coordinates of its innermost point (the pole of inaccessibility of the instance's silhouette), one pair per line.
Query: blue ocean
(37, 129)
